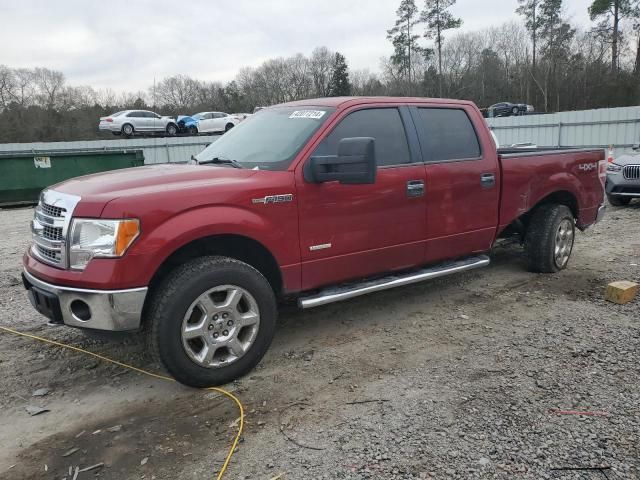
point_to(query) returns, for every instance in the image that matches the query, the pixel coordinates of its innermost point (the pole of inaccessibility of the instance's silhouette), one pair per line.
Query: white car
(208, 122)
(131, 122)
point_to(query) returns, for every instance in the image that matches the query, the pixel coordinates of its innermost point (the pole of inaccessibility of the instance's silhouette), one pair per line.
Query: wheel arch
(235, 246)
(558, 197)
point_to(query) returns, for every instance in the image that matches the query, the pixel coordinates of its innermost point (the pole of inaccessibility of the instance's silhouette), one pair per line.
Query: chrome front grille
(52, 233)
(49, 227)
(631, 172)
(56, 212)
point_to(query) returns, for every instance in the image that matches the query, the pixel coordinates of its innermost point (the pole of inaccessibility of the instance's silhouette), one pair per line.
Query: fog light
(80, 310)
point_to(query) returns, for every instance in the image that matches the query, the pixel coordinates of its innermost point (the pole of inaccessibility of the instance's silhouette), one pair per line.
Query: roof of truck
(347, 101)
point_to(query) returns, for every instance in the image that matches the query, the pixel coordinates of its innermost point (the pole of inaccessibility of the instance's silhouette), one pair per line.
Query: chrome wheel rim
(564, 243)
(220, 326)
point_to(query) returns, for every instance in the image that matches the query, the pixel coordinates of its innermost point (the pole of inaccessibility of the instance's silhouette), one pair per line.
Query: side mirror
(355, 163)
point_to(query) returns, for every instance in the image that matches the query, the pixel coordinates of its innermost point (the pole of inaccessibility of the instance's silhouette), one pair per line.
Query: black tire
(515, 110)
(127, 130)
(171, 301)
(228, 127)
(541, 238)
(172, 130)
(193, 130)
(618, 201)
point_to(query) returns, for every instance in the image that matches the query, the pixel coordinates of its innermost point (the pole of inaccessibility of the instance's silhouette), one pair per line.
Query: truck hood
(628, 159)
(150, 181)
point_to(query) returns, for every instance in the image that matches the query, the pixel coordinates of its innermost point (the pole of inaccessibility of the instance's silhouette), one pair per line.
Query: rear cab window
(447, 135)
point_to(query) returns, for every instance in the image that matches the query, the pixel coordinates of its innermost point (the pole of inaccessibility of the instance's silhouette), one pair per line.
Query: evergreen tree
(556, 35)
(612, 12)
(529, 9)
(405, 42)
(339, 85)
(438, 19)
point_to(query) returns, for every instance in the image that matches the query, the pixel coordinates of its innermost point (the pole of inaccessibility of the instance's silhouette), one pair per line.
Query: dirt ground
(473, 376)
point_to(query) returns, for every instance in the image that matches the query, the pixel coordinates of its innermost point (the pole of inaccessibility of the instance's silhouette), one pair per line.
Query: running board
(345, 292)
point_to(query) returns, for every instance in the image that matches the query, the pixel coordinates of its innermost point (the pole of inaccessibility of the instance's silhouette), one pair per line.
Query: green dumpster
(24, 175)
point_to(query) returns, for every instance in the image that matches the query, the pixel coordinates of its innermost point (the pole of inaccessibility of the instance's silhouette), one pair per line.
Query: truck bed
(530, 175)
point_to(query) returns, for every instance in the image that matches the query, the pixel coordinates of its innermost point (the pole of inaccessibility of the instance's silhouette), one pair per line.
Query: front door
(353, 231)
(462, 183)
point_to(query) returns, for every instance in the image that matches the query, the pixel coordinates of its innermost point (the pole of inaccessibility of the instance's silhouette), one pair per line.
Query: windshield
(199, 116)
(270, 139)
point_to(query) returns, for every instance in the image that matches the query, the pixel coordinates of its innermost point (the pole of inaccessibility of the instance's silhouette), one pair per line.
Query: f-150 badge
(288, 197)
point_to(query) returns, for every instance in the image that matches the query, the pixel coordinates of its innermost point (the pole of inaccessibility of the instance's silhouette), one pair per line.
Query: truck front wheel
(211, 321)
(618, 201)
(549, 239)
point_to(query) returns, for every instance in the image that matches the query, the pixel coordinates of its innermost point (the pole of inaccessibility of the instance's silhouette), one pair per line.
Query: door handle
(488, 180)
(415, 188)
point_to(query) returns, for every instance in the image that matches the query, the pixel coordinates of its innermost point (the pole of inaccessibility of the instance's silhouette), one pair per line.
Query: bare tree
(321, 70)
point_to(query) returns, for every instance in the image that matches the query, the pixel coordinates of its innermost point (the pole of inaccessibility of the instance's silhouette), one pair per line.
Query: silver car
(132, 122)
(623, 178)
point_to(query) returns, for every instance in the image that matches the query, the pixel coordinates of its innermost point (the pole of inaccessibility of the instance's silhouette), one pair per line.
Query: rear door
(137, 120)
(462, 181)
(352, 231)
(205, 122)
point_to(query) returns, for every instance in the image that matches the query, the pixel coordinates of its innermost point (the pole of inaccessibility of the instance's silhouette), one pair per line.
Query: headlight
(613, 168)
(100, 238)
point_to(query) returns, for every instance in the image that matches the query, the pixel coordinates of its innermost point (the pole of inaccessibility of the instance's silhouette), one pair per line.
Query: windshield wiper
(219, 161)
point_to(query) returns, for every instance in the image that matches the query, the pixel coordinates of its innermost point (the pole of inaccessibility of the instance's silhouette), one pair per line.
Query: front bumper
(619, 186)
(113, 310)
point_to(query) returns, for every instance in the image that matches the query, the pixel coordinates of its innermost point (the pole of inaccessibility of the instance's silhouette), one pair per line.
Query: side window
(450, 134)
(133, 115)
(383, 124)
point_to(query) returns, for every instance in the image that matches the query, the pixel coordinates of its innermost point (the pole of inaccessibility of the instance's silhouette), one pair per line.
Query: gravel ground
(475, 376)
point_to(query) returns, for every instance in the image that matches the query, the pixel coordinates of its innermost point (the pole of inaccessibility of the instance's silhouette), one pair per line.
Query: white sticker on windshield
(315, 114)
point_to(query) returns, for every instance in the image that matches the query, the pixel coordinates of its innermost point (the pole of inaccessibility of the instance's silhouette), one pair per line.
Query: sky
(124, 45)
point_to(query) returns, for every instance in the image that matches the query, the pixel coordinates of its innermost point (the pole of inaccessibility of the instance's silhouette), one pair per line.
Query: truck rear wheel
(212, 321)
(549, 239)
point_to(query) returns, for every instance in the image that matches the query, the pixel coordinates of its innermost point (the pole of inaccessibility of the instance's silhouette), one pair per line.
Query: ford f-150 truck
(318, 200)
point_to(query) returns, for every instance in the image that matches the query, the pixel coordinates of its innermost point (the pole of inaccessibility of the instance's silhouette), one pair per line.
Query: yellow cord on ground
(150, 374)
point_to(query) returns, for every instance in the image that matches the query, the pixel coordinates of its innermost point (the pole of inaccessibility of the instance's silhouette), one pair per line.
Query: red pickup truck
(320, 200)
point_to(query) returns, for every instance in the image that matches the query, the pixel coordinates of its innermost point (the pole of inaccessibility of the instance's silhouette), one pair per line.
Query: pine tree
(340, 85)
(529, 9)
(405, 43)
(438, 19)
(612, 12)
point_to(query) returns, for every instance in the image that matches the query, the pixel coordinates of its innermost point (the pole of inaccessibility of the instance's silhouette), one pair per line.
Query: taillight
(108, 119)
(602, 172)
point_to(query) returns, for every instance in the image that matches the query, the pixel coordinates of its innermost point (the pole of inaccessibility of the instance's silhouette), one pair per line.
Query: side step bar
(345, 292)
